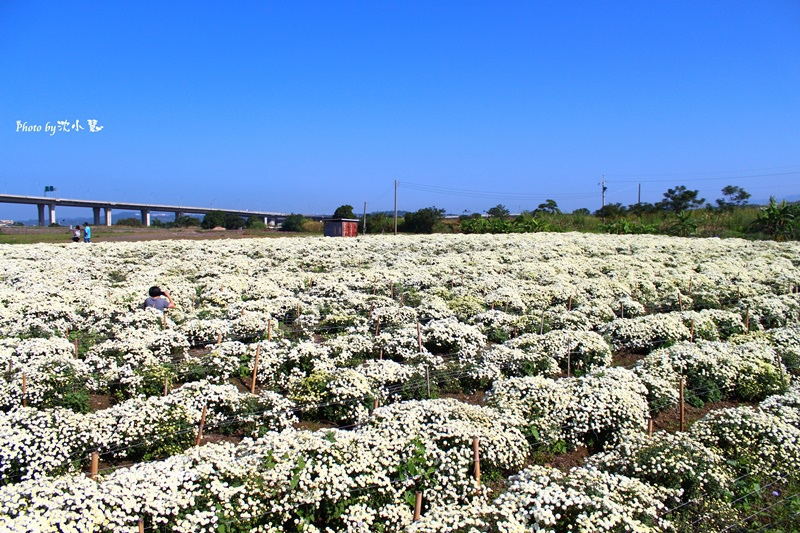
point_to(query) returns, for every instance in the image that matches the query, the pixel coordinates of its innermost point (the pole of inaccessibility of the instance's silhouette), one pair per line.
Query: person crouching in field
(76, 234)
(156, 301)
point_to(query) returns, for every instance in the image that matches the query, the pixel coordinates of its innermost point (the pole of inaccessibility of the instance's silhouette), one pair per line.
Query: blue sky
(304, 106)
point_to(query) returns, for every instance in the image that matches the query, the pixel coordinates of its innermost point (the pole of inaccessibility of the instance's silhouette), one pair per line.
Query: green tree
(498, 211)
(380, 223)
(642, 208)
(293, 222)
(582, 211)
(212, 220)
(234, 221)
(186, 222)
(734, 197)
(680, 199)
(422, 221)
(548, 206)
(344, 211)
(130, 222)
(612, 211)
(255, 222)
(776, 220)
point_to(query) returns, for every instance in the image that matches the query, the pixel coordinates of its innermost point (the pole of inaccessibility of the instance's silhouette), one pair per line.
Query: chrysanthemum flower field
(384, 366)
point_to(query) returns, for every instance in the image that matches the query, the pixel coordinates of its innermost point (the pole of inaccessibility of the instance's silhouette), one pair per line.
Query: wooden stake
(569, 305)
(75, 343)
(428, 380)
(375, 403)
(255, 369)
(402, 299)
(163, 320)
(24, 390)
(680, 301)
(371, 308)
(380, 354)
(692, 330)
(419, 337)
(95, 465)
(219, 338)
(650, 427)
(391, 289)
(417, 506)
(166, 386)
(492, 306)
(377, 326)
(506, 308)
(682, 406)
(569, 363)
(747, 319)
(541, 328)
(269, 329)
(242, 312)
(476, 459)
(141, 525)
(200, 429)
(621, 311)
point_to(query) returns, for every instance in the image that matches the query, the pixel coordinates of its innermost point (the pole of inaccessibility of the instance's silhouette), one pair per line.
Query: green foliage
(255, 222)
(186, 222)
(548, 206)
(498, 211)
(130, 222)
(293, 222)
(214, 219)
(776, 220)
(684, 226)
(734, 197)
(680, 199)
(380, 223)
(344, 211)
(422, 221)
(611, 211)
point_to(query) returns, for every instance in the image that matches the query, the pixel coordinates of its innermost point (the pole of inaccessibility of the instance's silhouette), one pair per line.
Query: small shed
(341, 227)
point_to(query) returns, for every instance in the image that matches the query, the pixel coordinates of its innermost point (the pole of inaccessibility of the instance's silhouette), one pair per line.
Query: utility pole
(639, 198)
(364, 222)
(603, 183)
(395, 207)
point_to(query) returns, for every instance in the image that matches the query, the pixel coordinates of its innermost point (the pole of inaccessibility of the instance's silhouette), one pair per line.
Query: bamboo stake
(747, 319)
(24, 390)
(375, 403)
(166, 386)
(380, 354)
(200, 429)
(682, 406)
(219, 338)
(95, 465)
(141, 525)
(255, 369)
(163, 320)
(492, 306)
(650, 427)
(269, 329)
(377, 326)
(569, 363)
(476, 459)
(692, 330)
(391, 289)
(680, 301)
(371, 307)
(428, 379)
(621, 311)
(419, 337)
(569, 305)
(417, 506)
(75, 343)
(506, 309)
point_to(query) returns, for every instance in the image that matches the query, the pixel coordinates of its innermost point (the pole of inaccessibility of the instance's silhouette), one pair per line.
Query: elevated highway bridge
(46, 208)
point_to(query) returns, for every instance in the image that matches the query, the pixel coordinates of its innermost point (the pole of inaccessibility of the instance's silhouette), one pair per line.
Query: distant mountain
(779, 199)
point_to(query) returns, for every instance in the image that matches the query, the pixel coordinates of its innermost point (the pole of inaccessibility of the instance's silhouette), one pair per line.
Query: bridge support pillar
(108, 216)
(96, 212)
(178, 214)
(52, 209)
(146, 218)
(40, 208)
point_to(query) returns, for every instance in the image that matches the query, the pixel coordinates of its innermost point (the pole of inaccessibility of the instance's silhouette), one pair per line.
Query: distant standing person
(156, 301)
(87, 233)
(76, 234)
